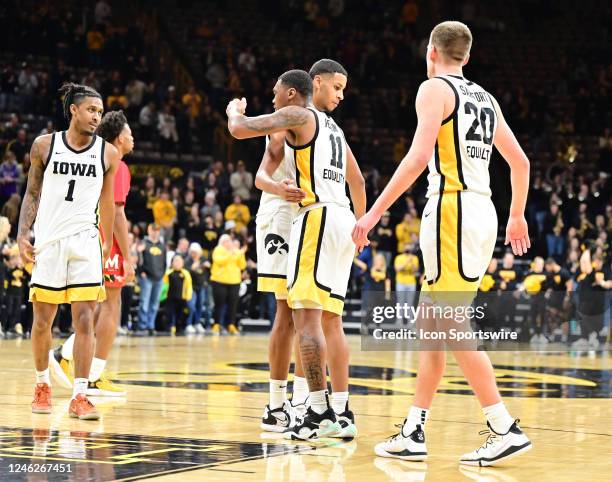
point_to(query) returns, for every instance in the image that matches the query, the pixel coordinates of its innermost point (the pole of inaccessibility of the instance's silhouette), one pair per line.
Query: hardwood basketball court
(194, 405)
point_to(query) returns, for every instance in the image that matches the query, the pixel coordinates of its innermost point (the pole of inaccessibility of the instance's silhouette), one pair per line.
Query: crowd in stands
(179, 223)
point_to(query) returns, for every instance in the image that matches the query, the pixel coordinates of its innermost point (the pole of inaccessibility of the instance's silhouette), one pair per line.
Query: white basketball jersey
(71, 188)
(460, 161)
(320, 165)
(271, 203)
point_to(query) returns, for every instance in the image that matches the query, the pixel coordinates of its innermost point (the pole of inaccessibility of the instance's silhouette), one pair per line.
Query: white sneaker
(593, 341)
(498, 447)
(300, 408)
(404, 447)
(19, 329)
(122, 331)
(314, 425)
(200, 329)
(279, 419)
(346, 420)
(190, 330)
(543, 340)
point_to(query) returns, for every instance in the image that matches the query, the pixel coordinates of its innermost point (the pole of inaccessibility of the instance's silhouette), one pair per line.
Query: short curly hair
(111, 125)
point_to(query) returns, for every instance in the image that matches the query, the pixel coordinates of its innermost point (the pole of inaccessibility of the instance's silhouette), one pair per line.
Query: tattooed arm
(288, 118)
(31, 199)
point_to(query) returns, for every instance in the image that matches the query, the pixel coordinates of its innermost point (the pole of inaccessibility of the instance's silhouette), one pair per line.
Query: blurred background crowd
(173, 65)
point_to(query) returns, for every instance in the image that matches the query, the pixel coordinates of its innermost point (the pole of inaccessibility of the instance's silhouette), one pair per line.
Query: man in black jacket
(151, 268)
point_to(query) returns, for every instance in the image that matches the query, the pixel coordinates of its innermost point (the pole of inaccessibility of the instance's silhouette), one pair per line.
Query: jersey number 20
(480, 120)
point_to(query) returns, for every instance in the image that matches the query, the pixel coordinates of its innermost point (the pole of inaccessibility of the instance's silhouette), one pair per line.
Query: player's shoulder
(41, 146)
(433, 88)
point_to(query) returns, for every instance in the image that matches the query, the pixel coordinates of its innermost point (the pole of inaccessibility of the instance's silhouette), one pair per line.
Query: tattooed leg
(312, 347)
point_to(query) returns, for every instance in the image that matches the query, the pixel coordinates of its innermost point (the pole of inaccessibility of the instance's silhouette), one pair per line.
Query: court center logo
(275, 243)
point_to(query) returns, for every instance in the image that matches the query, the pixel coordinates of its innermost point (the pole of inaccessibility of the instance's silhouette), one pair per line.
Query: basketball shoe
(314, 425)
(346, 420)
(61, 369)
(103, 387)
(404, 447)
(498, 447)
(83, 409)
(278, 419)
(42, 399)
(300, 408)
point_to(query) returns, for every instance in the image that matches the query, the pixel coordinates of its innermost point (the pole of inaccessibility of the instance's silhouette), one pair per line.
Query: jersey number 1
(336, 161)
(70, 190)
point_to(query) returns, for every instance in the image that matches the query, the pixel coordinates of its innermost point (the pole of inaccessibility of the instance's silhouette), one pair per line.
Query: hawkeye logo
(274, 243)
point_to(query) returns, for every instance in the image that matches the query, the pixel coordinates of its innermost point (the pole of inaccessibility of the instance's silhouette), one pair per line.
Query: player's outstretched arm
(243, 127)
(286, 189)
(516, 231)
(31, 199)
(107, 197)
(356, 183)
(430, 112)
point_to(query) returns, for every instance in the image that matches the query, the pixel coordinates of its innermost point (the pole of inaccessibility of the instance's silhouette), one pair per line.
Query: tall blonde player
(458, 124)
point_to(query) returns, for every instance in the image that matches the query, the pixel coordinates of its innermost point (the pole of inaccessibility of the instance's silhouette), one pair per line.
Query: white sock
(318, 401)
(416, 416)
(67, 347)
(43, 377)
(300, 390)
(96, 369)
(79, 387)
(499, 418)
(339, 401)
(278, 393)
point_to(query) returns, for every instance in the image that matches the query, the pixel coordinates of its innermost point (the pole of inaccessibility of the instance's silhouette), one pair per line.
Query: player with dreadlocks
(118, 271)
(69, 192)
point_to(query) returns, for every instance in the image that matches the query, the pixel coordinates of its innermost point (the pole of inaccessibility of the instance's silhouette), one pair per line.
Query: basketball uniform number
(336, 161)
(70, 190)
(480, 120)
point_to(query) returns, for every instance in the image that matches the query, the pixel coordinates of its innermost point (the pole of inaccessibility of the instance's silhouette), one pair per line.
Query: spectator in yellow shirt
(228, 262)
(192, 100)
(164, 215)
(406, 267)
(408, 230)
(239, 213)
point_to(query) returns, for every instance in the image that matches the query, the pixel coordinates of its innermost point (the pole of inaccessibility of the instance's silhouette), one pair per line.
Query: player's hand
(362, 228)
(26, 250)
(517, 235)
(236, 106)
(129, 271)
(290, 192)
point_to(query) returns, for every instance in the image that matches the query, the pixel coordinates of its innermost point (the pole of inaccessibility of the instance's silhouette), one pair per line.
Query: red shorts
(114, 276)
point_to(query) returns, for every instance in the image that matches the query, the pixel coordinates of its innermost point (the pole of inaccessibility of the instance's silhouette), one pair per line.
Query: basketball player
(458, 123)
(277, 210)
(118, 270)
(326, 98)
(320, 254)
(70, 177)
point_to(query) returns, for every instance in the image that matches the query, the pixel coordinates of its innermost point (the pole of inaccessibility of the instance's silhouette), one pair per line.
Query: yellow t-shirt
(164, 212)
(404, 232)
(227, 266)
(240, 214)
(406, 266)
